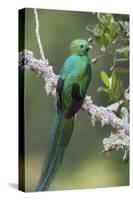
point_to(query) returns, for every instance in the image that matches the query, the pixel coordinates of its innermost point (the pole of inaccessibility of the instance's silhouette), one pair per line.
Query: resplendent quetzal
(74, 79)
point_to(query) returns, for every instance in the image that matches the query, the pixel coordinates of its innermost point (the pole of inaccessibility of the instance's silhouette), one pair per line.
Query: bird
(74, 80)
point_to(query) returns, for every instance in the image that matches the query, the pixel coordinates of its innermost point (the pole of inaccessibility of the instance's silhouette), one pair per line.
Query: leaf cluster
(109, 31)
(112, 35)
(113, 86)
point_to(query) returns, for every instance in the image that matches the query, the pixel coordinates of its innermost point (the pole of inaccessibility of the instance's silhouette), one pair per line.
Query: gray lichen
(117, 141)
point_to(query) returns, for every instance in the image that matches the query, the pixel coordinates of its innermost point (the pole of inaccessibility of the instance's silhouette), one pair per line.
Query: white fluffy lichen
(49, 87)
(93, 120)
(117, 141)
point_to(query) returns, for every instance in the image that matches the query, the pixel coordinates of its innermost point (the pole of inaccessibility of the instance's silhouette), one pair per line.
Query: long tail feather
(60, 137)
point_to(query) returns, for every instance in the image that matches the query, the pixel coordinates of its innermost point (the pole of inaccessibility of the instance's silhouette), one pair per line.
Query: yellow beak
(90, 46)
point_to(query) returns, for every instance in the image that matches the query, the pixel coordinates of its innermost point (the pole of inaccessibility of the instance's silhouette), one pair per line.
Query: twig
(107, 54)
(114, 62)
(38, 35)
(115, 106)
(41, 67)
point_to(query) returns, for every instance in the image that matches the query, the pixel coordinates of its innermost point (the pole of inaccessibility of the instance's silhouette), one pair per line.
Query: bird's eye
(81, 46)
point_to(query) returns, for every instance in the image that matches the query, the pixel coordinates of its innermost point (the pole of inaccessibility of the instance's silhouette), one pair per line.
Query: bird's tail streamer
(59, 138)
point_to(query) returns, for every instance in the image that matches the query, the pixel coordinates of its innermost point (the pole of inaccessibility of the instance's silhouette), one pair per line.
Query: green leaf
(119, 88)
(102, 89)
(113, 80)
(122, 50)
(122, 59)
(105, 78)
(126, 53)
(100, 17)
(112, 95)
(104, 39)
(103, 48)
(90, 29)
(121, 70)
(124, 25)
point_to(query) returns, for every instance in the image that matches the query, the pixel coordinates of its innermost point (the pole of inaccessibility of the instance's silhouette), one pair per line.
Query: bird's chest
(80, 77)
(85, 79)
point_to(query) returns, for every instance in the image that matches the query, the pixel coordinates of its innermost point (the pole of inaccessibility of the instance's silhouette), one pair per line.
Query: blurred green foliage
(113, 86)
(110, 30)
(84, 166)
(112, 34)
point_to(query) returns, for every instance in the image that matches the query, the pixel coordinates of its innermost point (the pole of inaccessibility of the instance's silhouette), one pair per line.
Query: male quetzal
(74, 79)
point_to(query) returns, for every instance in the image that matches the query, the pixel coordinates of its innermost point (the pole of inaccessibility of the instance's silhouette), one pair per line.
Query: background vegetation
(84, 164)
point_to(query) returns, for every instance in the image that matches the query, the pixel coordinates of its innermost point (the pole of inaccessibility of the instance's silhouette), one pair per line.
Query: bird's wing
(73, 91)
(59, 88)
(77, 101)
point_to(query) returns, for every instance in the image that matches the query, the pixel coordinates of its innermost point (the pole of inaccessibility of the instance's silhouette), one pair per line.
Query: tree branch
(41, 67)
(38, 34)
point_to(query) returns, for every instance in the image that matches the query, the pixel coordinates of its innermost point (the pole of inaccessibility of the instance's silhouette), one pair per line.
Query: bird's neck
(81, 56)
(85, 58)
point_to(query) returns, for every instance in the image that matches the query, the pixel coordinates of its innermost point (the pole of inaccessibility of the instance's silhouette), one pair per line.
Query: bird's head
(80, 47)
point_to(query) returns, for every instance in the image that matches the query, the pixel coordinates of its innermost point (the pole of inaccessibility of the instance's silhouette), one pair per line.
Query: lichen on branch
(41, 67)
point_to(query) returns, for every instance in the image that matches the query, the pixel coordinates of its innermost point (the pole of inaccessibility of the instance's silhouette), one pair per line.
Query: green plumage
(75, 77)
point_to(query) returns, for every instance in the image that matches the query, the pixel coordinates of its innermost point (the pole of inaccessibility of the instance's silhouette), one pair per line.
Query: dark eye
(81, 46)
